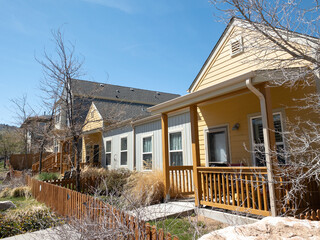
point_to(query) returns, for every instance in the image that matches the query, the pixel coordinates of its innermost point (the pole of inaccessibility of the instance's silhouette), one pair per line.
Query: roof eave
(205, 94)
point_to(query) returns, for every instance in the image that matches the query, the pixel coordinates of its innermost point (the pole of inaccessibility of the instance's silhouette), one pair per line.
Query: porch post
(165, 154)
(195, 152)
(265, 90)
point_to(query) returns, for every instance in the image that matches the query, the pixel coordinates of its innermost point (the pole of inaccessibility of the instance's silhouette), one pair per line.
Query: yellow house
(236, 118)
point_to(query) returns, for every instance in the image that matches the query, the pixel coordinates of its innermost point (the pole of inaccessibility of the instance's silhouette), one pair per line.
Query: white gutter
(266, 145)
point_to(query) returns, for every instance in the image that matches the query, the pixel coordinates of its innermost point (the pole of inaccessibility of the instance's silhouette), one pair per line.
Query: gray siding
(115, 135)
(176, 123)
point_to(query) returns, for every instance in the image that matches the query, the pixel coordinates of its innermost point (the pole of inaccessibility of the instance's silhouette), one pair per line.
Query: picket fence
(75, 205)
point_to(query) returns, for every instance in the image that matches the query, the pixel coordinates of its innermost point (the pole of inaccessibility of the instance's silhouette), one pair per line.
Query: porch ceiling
(200, 96)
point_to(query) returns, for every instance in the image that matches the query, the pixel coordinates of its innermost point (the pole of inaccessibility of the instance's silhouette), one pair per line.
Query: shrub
(34, 219)
(47, 176)
(145, 188)
(114, 181)
(21, 192)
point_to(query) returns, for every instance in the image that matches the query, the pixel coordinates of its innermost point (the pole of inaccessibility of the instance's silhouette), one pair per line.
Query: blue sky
(156, 45)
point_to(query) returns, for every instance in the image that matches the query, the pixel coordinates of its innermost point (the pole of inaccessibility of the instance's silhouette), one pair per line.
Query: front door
(96, 154)
(217, 147)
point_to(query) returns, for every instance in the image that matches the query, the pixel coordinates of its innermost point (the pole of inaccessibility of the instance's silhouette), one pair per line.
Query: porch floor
(164, 210)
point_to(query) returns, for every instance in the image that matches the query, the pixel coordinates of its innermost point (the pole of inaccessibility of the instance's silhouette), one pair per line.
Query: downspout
(266, 145)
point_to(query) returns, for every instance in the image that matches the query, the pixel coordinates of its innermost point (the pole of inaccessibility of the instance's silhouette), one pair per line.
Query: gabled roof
(212, 53)
(105, 91)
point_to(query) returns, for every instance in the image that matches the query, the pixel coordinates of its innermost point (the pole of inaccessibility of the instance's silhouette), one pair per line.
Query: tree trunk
(77, 156)
(40, 158)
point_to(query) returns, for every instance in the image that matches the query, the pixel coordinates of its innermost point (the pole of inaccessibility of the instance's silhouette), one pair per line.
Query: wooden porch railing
(52, 160)
(242, 189)
(181, 180)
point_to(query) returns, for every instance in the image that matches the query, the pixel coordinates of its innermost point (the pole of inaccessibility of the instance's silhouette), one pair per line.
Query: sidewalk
(58, 233)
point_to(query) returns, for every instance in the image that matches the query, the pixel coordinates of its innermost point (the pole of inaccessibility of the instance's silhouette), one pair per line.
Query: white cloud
(122, 5)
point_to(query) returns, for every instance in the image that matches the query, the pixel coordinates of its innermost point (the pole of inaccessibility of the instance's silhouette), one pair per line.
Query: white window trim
(152, 152)
(106, 140)
(123, 136)
(180, 130)
(253, 144)
(214, 129)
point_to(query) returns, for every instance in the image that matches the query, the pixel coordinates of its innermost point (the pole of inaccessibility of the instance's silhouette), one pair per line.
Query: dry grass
(5, 192)
(145, 188)
(94, 172)
(22, 191)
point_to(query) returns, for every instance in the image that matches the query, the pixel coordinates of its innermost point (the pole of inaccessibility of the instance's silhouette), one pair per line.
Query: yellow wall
(238, 109)
(93, 119)
(224, 66)
(91, 140)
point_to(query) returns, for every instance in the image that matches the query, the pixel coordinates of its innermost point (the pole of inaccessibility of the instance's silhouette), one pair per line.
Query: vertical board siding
(179, 122)
(115, 135)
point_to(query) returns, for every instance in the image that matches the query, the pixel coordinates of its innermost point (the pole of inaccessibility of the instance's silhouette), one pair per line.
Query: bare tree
(57, 84)
(290, 29)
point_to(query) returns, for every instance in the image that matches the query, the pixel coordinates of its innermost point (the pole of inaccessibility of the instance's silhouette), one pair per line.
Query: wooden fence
(24, 161)
(242, 189)
(87, 185)
(72, 204)
(181, 180)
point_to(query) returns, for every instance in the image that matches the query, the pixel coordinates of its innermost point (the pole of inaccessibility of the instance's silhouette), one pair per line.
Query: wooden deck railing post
(195, 152)
(165, 155)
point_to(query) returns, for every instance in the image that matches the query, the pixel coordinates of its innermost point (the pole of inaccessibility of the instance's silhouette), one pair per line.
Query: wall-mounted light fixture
(236, 126)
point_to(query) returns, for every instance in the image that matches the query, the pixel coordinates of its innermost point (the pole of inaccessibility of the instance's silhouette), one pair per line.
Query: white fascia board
(214, 53)
(204, 94)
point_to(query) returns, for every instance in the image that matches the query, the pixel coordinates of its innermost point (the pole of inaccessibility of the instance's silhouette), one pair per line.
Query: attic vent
(101, 85)
(157, 93)
(131, 89)
(117, 91)
(236, 46)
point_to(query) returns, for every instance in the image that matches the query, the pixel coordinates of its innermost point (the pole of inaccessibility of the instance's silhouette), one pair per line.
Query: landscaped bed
(28, 216)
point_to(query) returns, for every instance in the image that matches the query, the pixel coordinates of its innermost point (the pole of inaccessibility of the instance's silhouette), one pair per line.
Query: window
(88, 151)
(258, 141)
(58, 115)
(175, 150)
(56, 146)
(108, 152)
(147, 153)
(124, 152)
(217, 146)
(236, 46)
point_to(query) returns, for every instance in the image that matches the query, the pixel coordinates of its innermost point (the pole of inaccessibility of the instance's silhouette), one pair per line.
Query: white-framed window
(88, 153)
(108, 152)
(217, 146)
(58, 115)
(147, 155)
(56, 146)
(175, 149)
(258, 140)
(124, 151)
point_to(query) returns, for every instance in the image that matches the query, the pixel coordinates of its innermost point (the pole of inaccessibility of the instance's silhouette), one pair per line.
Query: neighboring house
(109, 104)
(137, 144)
(35, 128)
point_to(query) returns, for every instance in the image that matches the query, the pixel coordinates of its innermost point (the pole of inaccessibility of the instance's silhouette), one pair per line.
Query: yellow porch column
(195, 152)
(165, 154)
